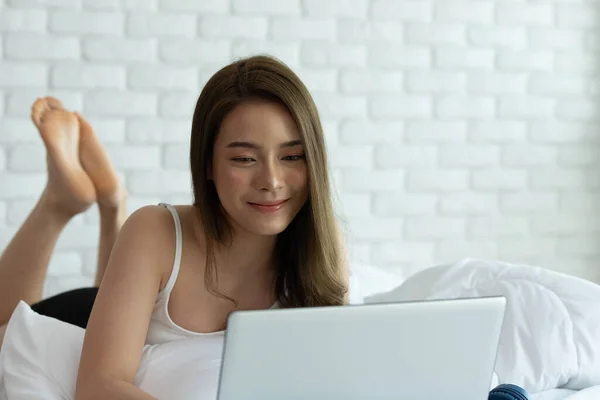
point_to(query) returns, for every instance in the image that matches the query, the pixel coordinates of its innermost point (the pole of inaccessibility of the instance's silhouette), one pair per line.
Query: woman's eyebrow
(250, 145)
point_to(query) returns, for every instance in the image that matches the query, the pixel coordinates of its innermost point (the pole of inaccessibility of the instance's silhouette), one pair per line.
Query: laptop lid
(414, 350)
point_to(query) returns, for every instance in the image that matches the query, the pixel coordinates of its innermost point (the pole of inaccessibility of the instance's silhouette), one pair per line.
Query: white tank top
(162, 329)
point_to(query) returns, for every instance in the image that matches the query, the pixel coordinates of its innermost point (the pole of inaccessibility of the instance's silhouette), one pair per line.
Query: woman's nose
(270, 177)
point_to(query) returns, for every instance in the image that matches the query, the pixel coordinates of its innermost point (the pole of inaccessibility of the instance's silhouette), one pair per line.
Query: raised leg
(69, 191)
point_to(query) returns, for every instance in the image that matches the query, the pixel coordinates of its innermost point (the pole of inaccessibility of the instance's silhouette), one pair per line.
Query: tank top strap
(178, 248)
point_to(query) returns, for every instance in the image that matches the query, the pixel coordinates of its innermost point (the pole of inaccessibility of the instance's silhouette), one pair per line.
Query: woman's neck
(248, 254)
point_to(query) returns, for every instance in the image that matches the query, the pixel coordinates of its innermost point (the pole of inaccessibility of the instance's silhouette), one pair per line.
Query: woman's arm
(116, 332)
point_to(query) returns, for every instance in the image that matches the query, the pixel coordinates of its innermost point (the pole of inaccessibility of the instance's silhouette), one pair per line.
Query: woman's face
(259, 169)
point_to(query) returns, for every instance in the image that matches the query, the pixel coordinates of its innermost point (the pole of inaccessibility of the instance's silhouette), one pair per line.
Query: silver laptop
(418, 350)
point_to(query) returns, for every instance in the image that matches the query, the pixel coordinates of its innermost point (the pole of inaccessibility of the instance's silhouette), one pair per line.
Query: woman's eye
(243, 159)
(295, 157)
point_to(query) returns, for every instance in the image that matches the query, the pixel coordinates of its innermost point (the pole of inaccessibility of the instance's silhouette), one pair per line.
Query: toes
(54, 103)
(37, 109)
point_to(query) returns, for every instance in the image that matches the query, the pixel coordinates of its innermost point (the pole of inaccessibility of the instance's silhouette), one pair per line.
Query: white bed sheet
(554, 394)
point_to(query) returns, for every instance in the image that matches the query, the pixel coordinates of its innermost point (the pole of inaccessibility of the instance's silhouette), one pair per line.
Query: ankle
(53, 210)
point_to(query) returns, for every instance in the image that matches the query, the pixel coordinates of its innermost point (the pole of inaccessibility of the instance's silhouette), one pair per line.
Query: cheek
(231, 179)
(298, 178)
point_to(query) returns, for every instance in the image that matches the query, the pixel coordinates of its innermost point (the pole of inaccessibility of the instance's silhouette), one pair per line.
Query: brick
(141, 5)
(402, 251)
(176, 156)
(575, 62)
(488, 227)
(353, 156)
(522, 248)
(564, 224)
(22, 74)
(580, 245)
(31, 46)
(190, 51)
(160, 181)
(217, 26)
(578, 156)
(21, 185)
(558, 84)
(3, 212)
(496, 131)
(320, 54)
(64, 264)
(357, 31)
(18, 210)
(18, 130)
(77, 236)
(22, 20)
(45, 3)
(376, 228)
(120, 103)
(178, 104)
(119, 49)
(583, 201)
(497, 83)
(526, 60)
(556, 39)
(162, 77)
(146, 25)
(405, 204)
(578, 109)
(497, 36)
(425, 227)
(468, 156)
(438, 34)
(421, 11)
(356, 205)
(152, 130)
(528, 155)
(458, 249)
(287, 52)
(564, 132)
(366, 82)
(577, 16)
(267, 7)
(546, 178)
(109, 130)
(208, 7)
(436, 132)
(371, 132)
(390, 156)
(321, 79)
(2, 168)
(87, 76)
(435, 180)
(397, 106)
(462, 204)
(435, 81)
(18, 103)
(498, 179)
(334, 105)
(520, 14)
(391, 56)
(373, 181)
(78, 22)
(460, 57)
(526, 107)
(464, 11)
(465, 107)
(286, 28)
(138, 157)
(336, 8)
(526, 203)
(27, 158)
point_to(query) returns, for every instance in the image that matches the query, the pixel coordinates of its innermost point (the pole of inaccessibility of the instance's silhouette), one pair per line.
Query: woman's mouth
(269, 206)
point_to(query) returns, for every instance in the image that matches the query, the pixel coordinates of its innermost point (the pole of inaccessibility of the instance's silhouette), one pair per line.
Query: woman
(261, 231)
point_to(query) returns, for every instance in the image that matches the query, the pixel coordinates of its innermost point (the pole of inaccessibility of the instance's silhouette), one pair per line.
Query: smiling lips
(269, 206)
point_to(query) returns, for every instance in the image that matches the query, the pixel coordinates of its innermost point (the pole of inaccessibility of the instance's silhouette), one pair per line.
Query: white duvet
(551, 334)
(550, 342)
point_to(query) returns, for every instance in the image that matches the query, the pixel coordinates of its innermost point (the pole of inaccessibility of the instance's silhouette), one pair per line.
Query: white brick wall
(455, 128)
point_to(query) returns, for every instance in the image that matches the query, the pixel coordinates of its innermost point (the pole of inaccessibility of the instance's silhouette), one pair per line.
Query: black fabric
(73, 307)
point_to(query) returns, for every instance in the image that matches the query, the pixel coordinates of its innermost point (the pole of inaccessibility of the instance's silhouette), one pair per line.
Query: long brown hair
(307, 253)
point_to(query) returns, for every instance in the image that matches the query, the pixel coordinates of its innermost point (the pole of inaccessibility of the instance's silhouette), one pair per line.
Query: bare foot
(109, 191)
(69, 188)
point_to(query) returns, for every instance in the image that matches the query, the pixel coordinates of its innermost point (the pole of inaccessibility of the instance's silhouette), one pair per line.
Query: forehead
(258, 121)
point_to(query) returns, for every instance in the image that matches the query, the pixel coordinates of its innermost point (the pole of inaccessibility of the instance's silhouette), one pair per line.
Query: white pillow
(40, 357)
